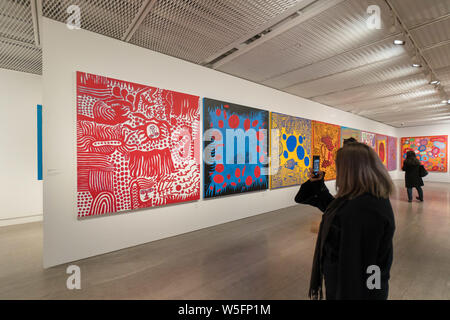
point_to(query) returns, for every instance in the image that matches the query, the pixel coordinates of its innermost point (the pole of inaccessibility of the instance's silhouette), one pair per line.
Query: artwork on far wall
(382, 148)
(291, 153)
(370, 139)
(432, 151)
(392, 153)
(235, 148)
(135, 146)
(347, 133)
(326, 143)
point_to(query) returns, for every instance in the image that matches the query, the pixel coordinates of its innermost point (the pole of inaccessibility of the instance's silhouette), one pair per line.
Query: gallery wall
(434, 130)
(20, 190)
(67, 51)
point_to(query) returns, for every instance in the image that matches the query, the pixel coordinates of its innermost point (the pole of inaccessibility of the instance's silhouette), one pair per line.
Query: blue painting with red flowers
(235, 154)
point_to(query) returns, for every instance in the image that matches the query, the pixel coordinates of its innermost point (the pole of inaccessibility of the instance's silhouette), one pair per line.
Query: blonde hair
(359, 171)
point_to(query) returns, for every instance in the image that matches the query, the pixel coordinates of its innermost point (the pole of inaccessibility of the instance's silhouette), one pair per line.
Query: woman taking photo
(414, 172)
(355, 235)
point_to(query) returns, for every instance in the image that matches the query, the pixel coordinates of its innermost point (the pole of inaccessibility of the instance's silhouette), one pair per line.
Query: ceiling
(322, 50)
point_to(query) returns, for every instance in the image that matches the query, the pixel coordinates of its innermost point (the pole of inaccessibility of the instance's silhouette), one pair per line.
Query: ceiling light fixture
(399, 42)
(417, 65)
(435, 82)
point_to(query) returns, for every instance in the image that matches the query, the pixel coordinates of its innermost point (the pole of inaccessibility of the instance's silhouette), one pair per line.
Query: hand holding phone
(315, 173)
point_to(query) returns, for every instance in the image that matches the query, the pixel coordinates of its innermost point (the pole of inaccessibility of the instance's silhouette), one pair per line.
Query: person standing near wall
(355, 235)
(414, 171)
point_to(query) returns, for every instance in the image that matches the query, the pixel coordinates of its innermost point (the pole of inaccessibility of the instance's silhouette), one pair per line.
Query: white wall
(20, 191)
(435, 130)
(64, 52)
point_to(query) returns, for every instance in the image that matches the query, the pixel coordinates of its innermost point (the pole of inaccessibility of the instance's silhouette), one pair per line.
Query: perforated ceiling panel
(384, 50)
(420, 103)
(374, 91)
(15, 21)
(331, 32)
(20, 57)
(415, 12)
(193, 30)
(439, 57)
(108, 17)
(394, 103)
(432, 34)
(17, 49)
(372, 73)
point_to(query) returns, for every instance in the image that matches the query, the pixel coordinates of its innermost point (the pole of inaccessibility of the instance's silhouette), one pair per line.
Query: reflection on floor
(264, 257)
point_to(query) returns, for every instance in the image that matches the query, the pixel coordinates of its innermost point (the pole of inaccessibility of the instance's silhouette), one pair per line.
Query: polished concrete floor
(263, 257)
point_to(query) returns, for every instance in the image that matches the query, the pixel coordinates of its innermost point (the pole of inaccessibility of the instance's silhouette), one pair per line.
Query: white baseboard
(20, 220)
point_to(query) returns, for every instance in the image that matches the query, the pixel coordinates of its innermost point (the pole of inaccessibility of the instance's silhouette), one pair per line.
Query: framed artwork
(382, 148)
(392, 153)
(235, 148)
(347, 133)
(326, 143)
(370, 139)
(135, 146)
(291, 152)
(432, 151)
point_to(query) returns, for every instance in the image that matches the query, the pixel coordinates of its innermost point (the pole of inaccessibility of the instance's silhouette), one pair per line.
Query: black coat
(363, 234)
(412, 175)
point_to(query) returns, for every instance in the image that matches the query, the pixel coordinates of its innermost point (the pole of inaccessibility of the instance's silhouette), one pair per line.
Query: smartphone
(316, 165)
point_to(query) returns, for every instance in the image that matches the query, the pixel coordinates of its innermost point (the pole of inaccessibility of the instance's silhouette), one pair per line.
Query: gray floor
(263, 257)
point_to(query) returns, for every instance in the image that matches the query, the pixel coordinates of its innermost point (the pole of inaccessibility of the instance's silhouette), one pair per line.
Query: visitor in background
(349, 140)
(414, 172)
(356, 229)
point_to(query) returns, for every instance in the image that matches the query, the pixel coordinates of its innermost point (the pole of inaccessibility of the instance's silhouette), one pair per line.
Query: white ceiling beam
(436, 45)
(277, 19)
(401, 94)
(422, 120)
(392, 36)
(146, 7)
(370, 86)
(427, 23)
(36, 14)
(432, 110)
(416, 105)
(309, 12)
(371, 64)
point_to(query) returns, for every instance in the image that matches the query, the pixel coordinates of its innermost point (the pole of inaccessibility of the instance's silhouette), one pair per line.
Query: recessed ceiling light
(417, 65)
(399, 42)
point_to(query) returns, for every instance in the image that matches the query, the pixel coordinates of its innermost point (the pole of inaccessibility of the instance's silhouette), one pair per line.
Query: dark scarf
(315, 286)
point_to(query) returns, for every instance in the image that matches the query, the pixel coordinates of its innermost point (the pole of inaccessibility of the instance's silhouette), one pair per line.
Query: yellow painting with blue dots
(290, 150)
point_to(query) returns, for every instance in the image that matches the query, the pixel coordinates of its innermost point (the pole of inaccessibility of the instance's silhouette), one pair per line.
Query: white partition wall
(20, 190)
(66, 51)
(433, 130)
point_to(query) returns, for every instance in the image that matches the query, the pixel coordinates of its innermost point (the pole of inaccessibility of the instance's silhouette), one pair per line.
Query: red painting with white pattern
(137, 146)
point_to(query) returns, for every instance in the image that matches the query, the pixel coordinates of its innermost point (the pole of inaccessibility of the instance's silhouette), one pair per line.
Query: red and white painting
(136, 146)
